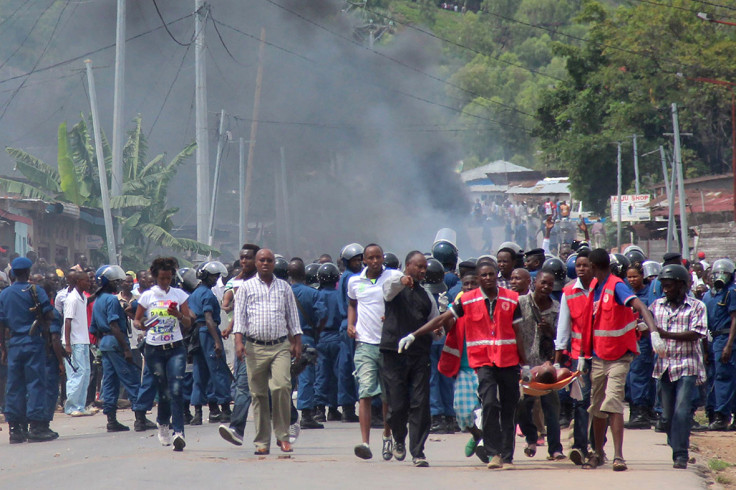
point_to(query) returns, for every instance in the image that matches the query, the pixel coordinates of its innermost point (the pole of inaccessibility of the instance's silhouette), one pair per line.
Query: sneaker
(294, 431)
(420, 462)
(164, 434)
(399, 451)
(495, 463)
(482, 453)
(577, 457)
(387, 451)
(77, 413)
(179, 442)
(363, 451)
(230, 435)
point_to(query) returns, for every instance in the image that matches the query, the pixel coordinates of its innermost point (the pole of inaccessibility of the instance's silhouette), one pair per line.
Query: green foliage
(716, 464)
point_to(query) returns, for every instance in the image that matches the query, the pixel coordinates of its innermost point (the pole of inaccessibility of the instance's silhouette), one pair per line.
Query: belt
(266, 342)
(723, 331)
(171, 346)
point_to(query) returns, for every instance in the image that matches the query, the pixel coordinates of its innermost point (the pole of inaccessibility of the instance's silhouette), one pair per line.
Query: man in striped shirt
(682, 323)
(267, 318)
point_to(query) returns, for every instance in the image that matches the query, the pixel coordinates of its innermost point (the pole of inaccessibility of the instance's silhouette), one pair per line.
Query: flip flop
(530, 450)
(619, 464)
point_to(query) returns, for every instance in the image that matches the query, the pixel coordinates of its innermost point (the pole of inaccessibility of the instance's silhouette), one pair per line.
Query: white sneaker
(179, 442)
(294, 430)
(164, 434)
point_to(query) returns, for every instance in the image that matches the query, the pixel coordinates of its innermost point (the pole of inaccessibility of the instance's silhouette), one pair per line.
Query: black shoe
(225, 413)
(40, 432)
(720, 423)
(187, 416)
(680, 464)
(319, 414)
(142, 424)
(448, 425)
(696, 427)
(659, 426)
(437, 425)
(733, 423)
(197, 419)
(638, 419)
(113, 425)
(214, 413)
(17, 434)
(308, 421)
(333, 415)
(349, 415)
(482, 454)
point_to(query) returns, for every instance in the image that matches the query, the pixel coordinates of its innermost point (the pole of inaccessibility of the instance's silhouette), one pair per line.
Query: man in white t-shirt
(365, 325)
(76, 344)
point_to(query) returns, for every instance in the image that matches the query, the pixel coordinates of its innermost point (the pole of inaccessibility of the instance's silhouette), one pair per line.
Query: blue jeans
(25, 392)
(77, 383)
(441, 388)
(168, 368)
(640, 386)
(241, 397)
(580, 415)
(325, 384)
(724, 384)
(551, 410)
(676, 412)
(211, 380)
(116, 371)
(305, 396)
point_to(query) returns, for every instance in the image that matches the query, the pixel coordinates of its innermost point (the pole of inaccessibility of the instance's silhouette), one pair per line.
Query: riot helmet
(556, 268)
(328, 274)
(391, 261)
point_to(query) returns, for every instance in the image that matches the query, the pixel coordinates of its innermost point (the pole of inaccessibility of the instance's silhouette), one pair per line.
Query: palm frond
(35, 170)
(10, 186)
(129, 201)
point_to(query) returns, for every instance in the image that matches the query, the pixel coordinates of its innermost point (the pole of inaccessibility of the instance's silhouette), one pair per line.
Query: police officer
(721, 305)
(347, 392)
(211, 380)
(325, 384)
(557, 268)
(446, 253)
(312, 315)
(391, 261)
(54, 367)
(533, 260)
(117, 359)
(25, 354)
(310, 271)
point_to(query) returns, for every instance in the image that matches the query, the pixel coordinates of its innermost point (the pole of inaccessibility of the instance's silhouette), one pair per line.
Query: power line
(704, 2)
(168, 92)
(6, 19)
(222, 41)
(395, 60)
(28, 35)
(168, 31)
(676, 7)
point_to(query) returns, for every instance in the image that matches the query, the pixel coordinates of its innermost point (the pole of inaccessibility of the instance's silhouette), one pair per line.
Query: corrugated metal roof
(546, 186)
(497, 167)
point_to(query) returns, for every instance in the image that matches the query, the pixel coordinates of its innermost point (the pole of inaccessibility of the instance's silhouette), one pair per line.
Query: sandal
(530, 450)
(593, 462)
(619, 464)
(558, 456)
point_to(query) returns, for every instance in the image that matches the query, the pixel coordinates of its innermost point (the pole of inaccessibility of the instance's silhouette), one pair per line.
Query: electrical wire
(168, 31)
(222, 41)
(168, 92)
(28, 35)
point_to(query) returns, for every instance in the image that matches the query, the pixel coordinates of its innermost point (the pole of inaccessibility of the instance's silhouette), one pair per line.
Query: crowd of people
(438, 345)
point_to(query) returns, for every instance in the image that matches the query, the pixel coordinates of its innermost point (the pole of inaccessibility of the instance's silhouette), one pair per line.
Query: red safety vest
(490, 342)
(612, 330)
(577, 304)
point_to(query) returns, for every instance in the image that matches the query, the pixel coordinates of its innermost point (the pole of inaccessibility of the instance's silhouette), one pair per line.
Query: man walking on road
(265, 318)
(76, 344)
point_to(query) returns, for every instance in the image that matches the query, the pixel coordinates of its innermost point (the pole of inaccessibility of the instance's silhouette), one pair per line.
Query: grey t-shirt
(540, 347)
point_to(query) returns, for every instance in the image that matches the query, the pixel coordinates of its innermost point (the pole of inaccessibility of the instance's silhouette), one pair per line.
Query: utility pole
(618, 180)
(671, 233)
(118, 110)
(285, 204)
(253, 129)
(636, 166)
(218, 156)
(672, 241)
(106, 213)
(680, 184)
(241, 192)
(203, 147)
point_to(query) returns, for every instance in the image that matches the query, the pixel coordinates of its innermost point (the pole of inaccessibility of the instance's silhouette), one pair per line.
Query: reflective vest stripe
(576, 335)
(450, 350)
(491, 342)
(609, 291)
(509, 300)
(481, 298)
(616, 333)
(573, 296)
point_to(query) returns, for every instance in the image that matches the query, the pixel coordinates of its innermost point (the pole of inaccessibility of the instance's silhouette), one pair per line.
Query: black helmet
(328, 273)
(187, 279)
(391, 261)
(557, 269)
(435, 272)
(619, 264)
(280, 266)
(571, 272)
(446, 253)
(675, 272)
(635, 254)
(350, 251)
(311, 274)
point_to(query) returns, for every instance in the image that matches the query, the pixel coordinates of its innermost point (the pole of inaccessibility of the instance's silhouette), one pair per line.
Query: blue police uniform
(347, 390)
(441, 388)
(25, 391)
(115, 369)
(52, 370)
(147, 391)
(720, 306)
(311, 313)
(211, 381)
(640, 386)
(328, 367)
(451, 279)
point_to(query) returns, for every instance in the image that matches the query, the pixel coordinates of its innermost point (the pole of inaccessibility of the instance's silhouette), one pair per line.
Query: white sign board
(634, 207)
(95, 242)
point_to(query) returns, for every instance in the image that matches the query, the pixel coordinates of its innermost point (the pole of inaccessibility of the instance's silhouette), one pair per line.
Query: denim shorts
(367, 369)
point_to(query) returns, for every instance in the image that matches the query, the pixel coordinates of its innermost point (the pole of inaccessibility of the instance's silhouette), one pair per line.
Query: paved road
(322, 459)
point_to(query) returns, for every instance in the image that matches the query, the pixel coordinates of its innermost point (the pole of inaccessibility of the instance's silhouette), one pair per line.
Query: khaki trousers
(269, 369)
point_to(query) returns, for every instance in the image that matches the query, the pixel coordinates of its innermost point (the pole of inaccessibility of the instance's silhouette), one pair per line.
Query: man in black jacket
(406, 374)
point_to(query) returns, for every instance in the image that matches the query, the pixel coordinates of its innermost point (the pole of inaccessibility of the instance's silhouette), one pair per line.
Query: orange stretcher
(533, 388)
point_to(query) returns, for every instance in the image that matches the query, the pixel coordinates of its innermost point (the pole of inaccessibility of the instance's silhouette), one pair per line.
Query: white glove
(583, 365)
(405, 343)
(526, 373)
(442, 302)
(556, 366)
(659, 345)
(641, 326)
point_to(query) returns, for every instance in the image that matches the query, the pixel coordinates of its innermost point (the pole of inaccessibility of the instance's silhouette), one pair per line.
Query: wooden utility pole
(203, 147)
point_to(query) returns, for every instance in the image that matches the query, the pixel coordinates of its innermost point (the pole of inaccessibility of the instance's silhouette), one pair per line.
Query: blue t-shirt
(107, 309)
(719, 307)
(201, 301)
(330, 299)
(313, 308)
(15, 304)
(644, 295)
(655, 291)
(451, 279)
